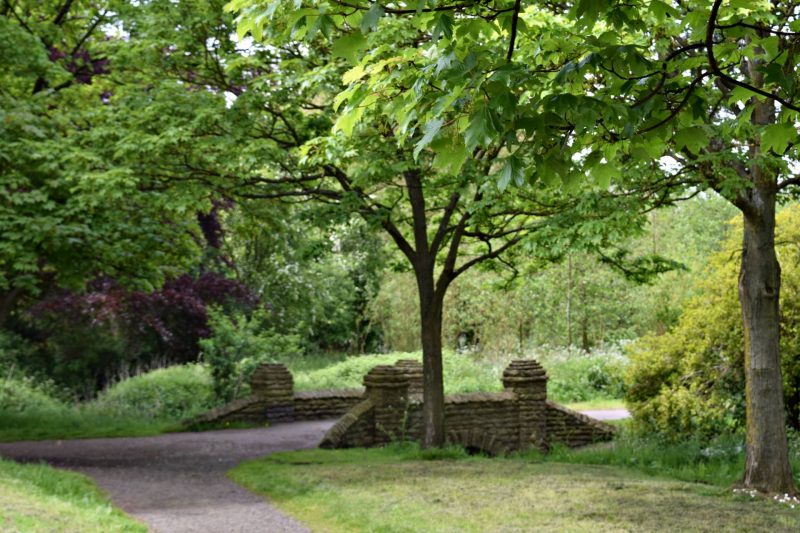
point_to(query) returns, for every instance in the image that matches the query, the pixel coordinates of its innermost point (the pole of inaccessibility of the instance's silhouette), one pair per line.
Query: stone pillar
(528, 381)
(387, 388)
(273, 384)
(412, 370)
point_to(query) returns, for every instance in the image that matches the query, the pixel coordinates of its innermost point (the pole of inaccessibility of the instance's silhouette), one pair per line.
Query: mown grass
(400, 488)
(38, 498)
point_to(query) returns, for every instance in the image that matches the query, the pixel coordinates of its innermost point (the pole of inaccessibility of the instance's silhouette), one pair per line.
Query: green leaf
(370, 19)
(443, 26)
(450, 154)
(513, 169)
(354, 74)
(350, 47)
(483, 128)
(347, 121)
(430, 129)
(777, 137)
(693, 139)
(604, 173)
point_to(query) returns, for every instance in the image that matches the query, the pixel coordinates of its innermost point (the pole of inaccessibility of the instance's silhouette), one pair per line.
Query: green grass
(77, 424)
(592, 379)
(399, 489)
(148, 404)
(597, 404)
(38, 498)
(719, 462)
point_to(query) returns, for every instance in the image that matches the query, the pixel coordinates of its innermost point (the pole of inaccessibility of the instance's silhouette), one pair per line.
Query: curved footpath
(176, 482)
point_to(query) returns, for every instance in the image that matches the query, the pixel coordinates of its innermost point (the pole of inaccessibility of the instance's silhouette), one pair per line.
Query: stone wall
(273, 400)
(390, 408)
(518, 418)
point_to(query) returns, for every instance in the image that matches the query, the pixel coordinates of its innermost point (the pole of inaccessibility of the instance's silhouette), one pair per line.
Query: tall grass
(575, 376)
(148, 404)
(719, 461)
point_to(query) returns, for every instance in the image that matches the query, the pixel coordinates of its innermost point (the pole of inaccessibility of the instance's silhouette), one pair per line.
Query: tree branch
(715, 69)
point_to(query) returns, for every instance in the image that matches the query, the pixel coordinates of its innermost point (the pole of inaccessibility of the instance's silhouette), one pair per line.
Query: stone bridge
(390, 408)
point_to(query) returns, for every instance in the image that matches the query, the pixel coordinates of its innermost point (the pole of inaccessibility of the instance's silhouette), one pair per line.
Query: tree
(690, 381)
(67, 216)
(596, 89)
(445, 209)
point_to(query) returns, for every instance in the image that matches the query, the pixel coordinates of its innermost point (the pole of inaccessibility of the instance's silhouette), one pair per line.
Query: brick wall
(390, 408)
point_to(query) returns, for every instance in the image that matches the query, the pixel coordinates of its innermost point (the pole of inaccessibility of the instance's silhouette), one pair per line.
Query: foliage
(173, 393)
(716, 461)
(92, 338)
(690, 381)
(316, 278)
(578, 301)
(574, 376)
(39, 498)
(397, 488)
(237, 345)
(67, 214)
(23, 396)
(579, 376)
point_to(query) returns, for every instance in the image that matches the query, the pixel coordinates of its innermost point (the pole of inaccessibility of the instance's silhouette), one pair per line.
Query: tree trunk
(767, 465)
(431, 306)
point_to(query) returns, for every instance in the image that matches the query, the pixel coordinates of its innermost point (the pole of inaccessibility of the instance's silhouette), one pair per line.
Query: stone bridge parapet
(389, 408)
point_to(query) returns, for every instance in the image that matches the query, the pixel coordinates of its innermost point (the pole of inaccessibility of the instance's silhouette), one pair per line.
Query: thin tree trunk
(767, 465)
(569, 300)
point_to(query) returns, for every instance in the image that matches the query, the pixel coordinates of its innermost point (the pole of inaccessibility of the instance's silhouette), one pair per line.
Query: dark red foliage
(80, 63)
(170, 320)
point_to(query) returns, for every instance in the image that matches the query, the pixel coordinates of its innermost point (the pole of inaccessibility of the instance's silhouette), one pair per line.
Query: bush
(461, 373)
(574, 376)
(170, 393)
(577, 376)
(690, 381)
(22, 396)
(237, 346)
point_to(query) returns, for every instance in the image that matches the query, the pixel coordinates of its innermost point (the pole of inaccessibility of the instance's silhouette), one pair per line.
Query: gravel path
(176, 482)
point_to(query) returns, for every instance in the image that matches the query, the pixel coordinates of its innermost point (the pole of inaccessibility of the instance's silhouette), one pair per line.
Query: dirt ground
(175, 483)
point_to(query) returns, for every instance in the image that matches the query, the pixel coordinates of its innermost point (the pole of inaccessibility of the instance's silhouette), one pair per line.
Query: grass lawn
(73, 424)
(37, 498)
(398, 489)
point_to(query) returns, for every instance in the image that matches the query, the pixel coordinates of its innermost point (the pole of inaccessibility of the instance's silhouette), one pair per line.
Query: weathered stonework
(516, 419)
(273, 400)
(390, 408)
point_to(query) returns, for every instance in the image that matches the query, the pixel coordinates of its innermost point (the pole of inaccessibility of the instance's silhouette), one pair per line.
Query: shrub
(22, 396)
(577, 376)
(238, 344)
(172, 393)
(462, 373)
(690, 381)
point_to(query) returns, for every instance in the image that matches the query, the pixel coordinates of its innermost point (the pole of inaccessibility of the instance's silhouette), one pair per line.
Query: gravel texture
(176, 482)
